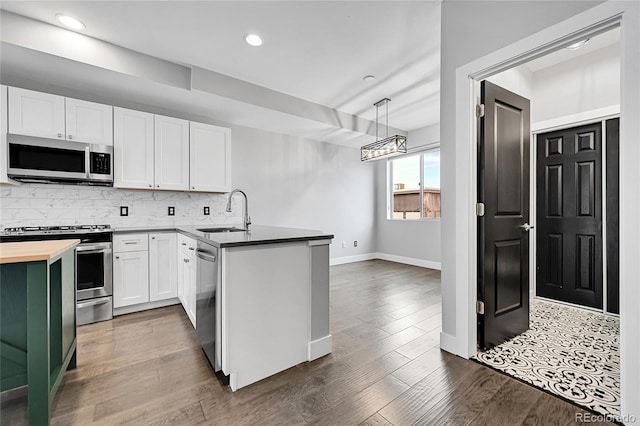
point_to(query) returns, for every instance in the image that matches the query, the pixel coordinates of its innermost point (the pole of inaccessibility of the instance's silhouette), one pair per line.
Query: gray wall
(418, 240)
(294, 182)
(499, 23)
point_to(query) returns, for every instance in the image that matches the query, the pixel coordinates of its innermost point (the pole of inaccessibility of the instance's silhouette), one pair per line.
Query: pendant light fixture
(390, 145)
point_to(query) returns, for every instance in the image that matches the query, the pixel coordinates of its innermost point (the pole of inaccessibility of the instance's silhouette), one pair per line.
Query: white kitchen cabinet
(36, 114)
(163, 273)
(187, 276)
(171, 149)
(4, 161)
(133, 165)
(89, 122)
(130, 278)
(209, 158)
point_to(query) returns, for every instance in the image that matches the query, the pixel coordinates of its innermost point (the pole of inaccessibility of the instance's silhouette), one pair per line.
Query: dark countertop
(256, 235)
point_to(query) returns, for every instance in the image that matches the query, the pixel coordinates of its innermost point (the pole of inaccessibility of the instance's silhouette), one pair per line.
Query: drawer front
(186, 244)
(130, 242)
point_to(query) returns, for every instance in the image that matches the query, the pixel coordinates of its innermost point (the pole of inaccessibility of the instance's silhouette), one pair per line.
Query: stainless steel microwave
(51, 160)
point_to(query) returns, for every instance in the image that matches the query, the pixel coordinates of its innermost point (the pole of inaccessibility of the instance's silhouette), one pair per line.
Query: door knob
(526, 227)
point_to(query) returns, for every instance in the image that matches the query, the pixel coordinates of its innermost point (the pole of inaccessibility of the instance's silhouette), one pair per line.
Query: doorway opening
(559, 187)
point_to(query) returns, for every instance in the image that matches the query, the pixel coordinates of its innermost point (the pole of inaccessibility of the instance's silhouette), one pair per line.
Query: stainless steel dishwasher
(208, 303)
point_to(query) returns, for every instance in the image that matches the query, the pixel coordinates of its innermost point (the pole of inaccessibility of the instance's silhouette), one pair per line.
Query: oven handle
(93, 303)
(106, 247)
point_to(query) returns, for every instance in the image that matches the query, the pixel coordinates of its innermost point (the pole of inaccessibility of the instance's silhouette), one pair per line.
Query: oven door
(94, 270)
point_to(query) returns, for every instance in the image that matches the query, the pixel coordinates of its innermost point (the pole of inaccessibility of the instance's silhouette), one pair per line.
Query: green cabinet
(37, 328)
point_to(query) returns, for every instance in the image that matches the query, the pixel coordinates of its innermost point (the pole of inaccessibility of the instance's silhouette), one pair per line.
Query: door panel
(503, 244)
(569, 237)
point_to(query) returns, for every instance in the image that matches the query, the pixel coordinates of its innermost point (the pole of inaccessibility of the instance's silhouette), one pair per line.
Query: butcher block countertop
(33, 251)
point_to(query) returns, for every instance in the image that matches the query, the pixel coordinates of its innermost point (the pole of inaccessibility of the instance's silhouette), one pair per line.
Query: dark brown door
(503, 237)
(569, 215)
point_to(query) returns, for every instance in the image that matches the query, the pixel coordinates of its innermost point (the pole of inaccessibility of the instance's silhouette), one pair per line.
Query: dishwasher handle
(201, 254)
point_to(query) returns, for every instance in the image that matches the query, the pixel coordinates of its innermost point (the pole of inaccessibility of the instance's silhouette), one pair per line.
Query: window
(415, 186)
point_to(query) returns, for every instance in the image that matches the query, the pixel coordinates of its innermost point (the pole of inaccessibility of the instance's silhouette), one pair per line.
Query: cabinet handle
(150, 186)
(59, 135)
(130, 242)
(191, 248)
(70, 136)
(193, 187)
(117, 257)
(184, 244)
(153, 238)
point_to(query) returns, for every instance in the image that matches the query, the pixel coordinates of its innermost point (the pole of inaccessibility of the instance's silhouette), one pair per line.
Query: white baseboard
(448, 343)
(320, 347)
(384, 256)
(409, 261)
(145, 306)
(351, 259)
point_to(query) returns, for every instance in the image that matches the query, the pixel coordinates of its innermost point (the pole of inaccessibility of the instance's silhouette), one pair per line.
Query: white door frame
(593, 21)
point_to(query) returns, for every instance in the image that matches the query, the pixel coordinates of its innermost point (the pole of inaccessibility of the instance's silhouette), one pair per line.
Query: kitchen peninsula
(271, 289)
(38, 317)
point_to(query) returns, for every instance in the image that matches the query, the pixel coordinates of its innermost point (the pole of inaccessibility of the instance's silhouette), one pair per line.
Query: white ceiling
(314, 50)
(601, 41)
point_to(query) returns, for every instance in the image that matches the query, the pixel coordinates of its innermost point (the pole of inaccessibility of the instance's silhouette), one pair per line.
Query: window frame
(420, 153)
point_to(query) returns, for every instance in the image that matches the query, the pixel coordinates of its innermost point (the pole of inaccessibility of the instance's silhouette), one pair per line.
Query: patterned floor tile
(570, 352)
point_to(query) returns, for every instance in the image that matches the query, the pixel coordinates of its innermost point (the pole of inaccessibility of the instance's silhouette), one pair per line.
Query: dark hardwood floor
(385, 369)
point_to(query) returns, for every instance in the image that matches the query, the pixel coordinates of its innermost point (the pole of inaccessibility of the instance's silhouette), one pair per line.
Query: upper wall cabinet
(51, 116)
(36, 114)
(132, 149)
(89, 122)
(3, 137)
(210, 158)
(171, 153)
(150, 151)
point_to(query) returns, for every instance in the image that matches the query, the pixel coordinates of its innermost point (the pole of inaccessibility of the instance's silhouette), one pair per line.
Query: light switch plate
(206, 211)
(172, 211)
(124, 211)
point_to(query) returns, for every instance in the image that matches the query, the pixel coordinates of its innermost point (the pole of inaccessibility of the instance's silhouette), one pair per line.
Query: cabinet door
(163, 275)
(130, 278)
(132, 149)
(190, 289)
(181, 266)
(171, 153)
(36, 114)
(210, 158)
(89, 122)
(3, 136)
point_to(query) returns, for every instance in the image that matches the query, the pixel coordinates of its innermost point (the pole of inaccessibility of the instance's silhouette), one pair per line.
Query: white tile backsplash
(54, 205)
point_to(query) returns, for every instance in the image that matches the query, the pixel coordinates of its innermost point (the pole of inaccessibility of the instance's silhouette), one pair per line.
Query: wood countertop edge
(34, 251)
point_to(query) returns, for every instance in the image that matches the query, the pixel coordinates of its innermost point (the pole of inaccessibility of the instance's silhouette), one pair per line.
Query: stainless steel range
(94, 263)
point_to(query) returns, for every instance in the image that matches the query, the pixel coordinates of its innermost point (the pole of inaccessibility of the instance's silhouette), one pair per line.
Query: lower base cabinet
(130, 278)
(144, 268)
(187, 276)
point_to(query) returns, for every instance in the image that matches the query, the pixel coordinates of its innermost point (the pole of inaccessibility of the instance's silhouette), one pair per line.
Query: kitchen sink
(223, 229)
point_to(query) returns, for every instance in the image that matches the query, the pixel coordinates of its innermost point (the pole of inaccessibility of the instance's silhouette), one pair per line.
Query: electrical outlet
(124, 211)
(206, 211)
(344, 244)
(355, 243)
(172, 211)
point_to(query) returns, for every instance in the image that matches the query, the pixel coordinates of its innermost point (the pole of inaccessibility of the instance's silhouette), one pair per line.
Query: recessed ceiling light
(70, 22)
(369, 78)
(578, 45)
(253, 39)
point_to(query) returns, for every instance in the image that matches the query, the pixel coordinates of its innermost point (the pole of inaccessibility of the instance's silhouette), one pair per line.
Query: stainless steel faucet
(245, 207)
